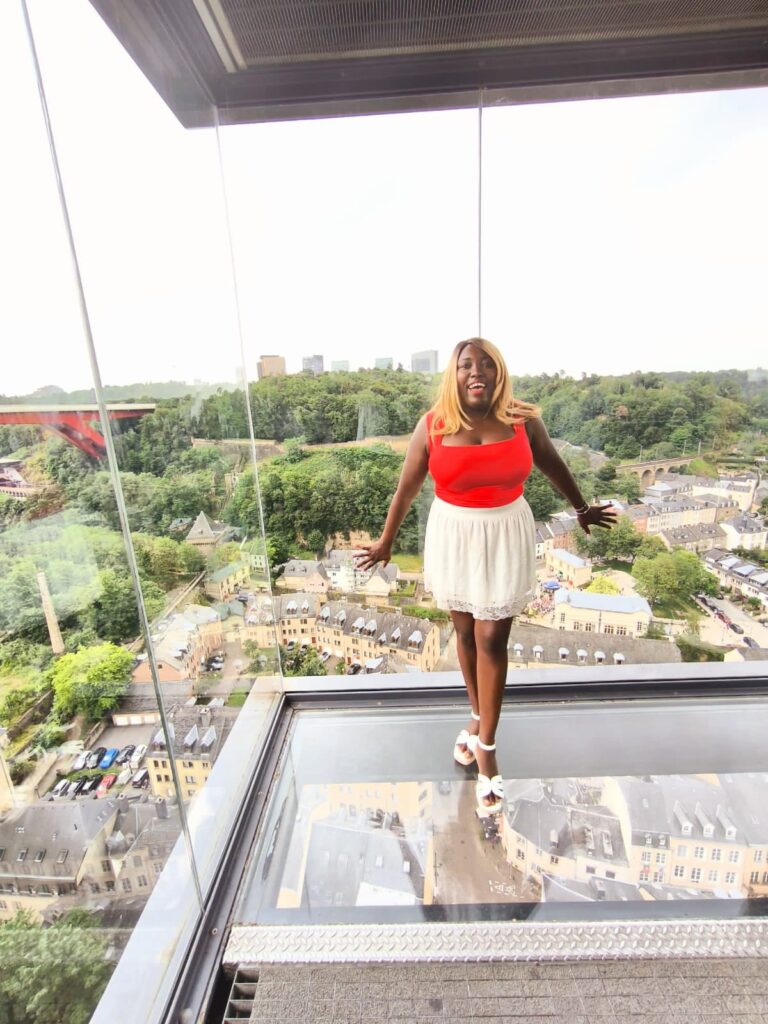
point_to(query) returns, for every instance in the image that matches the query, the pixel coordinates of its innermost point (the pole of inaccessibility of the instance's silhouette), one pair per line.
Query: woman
(479, 444)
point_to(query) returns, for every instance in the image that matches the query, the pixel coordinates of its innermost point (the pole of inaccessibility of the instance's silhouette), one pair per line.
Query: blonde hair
(448, 416)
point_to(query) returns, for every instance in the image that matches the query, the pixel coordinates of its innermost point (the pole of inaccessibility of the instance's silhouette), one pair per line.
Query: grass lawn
(683, 608)
(21, 740)
(237, 698)
(20, 677)
(408, 563)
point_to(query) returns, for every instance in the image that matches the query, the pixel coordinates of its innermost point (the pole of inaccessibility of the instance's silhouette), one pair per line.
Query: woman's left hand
(597, 515)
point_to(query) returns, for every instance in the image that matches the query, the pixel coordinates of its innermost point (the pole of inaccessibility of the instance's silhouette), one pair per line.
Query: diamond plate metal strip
(496, 941)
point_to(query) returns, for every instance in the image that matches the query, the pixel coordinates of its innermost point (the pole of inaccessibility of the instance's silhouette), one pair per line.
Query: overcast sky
(618, 234)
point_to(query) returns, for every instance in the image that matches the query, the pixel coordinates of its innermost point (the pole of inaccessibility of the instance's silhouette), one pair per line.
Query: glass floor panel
(612, 810)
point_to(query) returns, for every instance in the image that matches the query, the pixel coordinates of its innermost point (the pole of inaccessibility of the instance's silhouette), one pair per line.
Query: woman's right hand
(377, 551)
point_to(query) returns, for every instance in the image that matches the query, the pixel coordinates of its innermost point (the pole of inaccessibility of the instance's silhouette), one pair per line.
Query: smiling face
(476, 379)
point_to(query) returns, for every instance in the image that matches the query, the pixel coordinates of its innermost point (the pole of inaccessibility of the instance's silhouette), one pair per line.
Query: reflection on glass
(372, 820)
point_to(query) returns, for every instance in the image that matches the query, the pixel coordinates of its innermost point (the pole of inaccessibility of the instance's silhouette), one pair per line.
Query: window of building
(142, 880)
(661, 858)
(646, 857)
(695, 874)
(757, 857)
(679, 871)
(658, 876)
(712, 875)
(682, 851)
(589, 627)
(608, 629)
(621, 631)
(95, 887)
(716, 853)
(106, 866)
(698, 852)
(754, 878)
(734, 856)
(730, 877)
(127, 885)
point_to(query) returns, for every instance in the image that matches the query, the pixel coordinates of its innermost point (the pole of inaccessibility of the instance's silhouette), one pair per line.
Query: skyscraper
(385, 363)
(424, 362)
(314, 364)
(270, 366)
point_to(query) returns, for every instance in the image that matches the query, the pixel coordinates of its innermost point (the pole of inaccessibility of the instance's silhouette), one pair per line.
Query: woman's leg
(492, 662)
(466, 649)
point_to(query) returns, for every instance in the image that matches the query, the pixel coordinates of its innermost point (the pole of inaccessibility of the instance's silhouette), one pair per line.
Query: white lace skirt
(481, 560)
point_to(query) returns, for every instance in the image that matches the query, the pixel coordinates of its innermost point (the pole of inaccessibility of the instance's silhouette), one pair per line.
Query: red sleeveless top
(480, 475)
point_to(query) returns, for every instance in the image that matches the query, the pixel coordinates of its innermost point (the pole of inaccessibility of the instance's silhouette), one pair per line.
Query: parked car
(94, 757)
(109, 758)
(125, 754)
(90, 785)
(353, 669)
(76, 788)
(325, 656)
(138, 756)
(106, 784)
(141, 779)
(750, 641)
(61, 787)
(79, 763)
(735, 627)
(125, 776)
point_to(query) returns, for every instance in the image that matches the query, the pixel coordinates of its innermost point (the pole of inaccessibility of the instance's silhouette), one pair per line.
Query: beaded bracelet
(580, 511)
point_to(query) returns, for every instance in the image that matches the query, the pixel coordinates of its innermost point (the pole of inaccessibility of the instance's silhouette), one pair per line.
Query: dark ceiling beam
(169, 43)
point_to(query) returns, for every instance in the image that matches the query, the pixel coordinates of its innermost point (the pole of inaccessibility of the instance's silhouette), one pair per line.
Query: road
(712, 627)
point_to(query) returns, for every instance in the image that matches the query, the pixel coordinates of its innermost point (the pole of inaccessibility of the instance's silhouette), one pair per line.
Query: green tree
(627, 486)
(602, 585)
(301, 662)
(90, 682)
(51, 974)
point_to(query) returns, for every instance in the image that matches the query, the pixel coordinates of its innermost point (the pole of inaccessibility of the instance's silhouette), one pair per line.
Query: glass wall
(187, 470)
(125, 586)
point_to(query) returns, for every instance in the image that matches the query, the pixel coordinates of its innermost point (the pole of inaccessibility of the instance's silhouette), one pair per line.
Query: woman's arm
(412, 477)
(547, 459)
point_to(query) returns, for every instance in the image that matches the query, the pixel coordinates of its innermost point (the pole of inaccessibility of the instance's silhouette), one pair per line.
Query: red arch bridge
(78, 424)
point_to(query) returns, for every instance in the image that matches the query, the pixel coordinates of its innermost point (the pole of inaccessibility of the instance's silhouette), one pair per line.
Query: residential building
(141, 843)
(206, 534)
(725, 507)
(563, 527)
(612, 614)
(197, 735)
(424, 362)
(358, 635)
(224, 583)
(698, 538)
(312, 364)
(746, 578)
(694, 832)
(547, 829)
(344, 574)
(669, 513)
(744, 531)
(574, 570)
(362, 845)
(48, 851)
(383, 363)
(270, 366)
(532, 646)
(740, 489)
(182, 643)
(544, 540)
(307, 574)
(638, 515)
(340, 366)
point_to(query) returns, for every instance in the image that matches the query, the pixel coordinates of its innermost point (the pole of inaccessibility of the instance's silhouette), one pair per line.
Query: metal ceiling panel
(252, 60)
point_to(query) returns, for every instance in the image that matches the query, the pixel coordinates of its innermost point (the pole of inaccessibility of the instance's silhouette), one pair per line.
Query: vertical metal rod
(244, 371)
(480, 215)
(133, 568)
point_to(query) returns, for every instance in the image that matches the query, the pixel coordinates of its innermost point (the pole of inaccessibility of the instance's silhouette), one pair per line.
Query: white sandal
(468, 740)
(486, 787)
